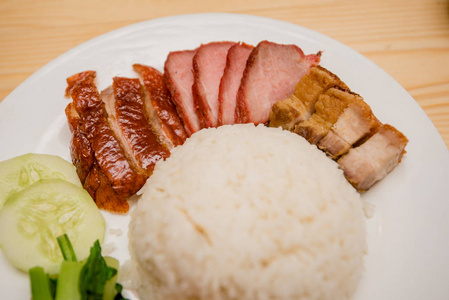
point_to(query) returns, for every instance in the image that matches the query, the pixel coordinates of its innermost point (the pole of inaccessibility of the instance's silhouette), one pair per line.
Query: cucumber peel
(20, 172)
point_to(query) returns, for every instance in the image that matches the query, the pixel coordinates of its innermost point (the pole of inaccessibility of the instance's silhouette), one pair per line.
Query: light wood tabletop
(409, 39)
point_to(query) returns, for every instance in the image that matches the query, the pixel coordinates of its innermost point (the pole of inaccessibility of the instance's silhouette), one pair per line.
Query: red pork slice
(158, 104)
(230, 82)
(271, 74)
(178, 72)
(133, 122)
(363, 166)
(208, 66)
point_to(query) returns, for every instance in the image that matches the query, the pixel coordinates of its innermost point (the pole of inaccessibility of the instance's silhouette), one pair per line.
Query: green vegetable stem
(66, 248)
(94, 279)
(40, 284)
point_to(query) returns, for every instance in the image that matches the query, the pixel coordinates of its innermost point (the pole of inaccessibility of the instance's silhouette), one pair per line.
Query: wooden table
(409, 39)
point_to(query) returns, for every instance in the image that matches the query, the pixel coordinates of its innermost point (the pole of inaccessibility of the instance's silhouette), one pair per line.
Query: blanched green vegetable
(66, 248)
(40, 284)
(32, 219)
(93, 279)
(67, 287)
(94, 275)
(20, 172)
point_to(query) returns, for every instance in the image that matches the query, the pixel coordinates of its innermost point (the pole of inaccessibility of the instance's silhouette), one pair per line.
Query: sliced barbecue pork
(230, 82)
(132, 120)
(271, 73)
(110, 159)
(328, 109)
(363, 166)
(162, 113)
(178, 72)
(208, 66)
(300, 105)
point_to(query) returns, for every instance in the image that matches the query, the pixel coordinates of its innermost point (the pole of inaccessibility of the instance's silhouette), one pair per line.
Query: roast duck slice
(133, 123)
(113, 146)
(161, 111)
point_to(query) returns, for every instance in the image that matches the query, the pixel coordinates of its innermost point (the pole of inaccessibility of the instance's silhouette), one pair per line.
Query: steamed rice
(246, 212)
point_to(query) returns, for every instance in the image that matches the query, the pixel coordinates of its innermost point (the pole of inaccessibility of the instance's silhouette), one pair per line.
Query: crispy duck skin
(236, 59)
(365, 165)
(100, 189)
(178, 75)
(300, 105)
(72, 117)
(162, 113)
(271, 73)
(125, 181)
(83, 157)
(133, 122)
(328, 108)
(109, 100)
(209, 63)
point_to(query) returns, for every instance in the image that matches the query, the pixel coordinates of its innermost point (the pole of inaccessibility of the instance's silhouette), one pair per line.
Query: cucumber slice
(21, 171)
(32, 219)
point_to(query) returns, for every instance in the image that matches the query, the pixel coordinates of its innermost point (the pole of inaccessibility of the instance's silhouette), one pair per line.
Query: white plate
(407, 237)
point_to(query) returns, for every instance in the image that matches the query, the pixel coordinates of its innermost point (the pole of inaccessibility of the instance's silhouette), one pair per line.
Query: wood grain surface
(409, 39)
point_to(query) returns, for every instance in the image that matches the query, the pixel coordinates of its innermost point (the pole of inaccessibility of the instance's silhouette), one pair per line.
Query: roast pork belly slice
(363, 166)
(209, 63)
(163, 117)
(110, 157)
(178, 72)
(355, 123)
(271, 73)
(328, 109)
(287, 113)
(230, 82)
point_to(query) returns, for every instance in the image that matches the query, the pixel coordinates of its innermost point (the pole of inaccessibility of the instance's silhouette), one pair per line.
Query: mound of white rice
(244, 212)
